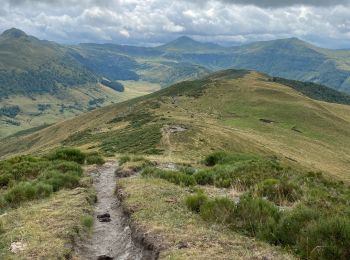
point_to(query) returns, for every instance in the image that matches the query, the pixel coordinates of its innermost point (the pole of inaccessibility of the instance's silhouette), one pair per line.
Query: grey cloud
(285, 3)
(154, 21)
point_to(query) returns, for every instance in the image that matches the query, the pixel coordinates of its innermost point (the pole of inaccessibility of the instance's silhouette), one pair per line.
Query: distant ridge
(185, 43)
(14, 32)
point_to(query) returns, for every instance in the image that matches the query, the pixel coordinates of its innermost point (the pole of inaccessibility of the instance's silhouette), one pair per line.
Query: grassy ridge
(237, 111)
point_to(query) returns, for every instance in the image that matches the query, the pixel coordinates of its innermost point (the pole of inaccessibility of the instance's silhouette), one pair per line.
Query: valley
(185, 150)
(44, 73)
(231, 165)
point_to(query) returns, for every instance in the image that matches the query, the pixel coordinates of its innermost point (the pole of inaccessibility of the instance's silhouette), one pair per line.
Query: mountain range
(42, 81)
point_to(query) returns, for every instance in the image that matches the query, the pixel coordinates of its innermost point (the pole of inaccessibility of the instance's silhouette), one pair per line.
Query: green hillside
(231, 110)
(287, 58)
(30, 66)
(42, 82)
(234, 165)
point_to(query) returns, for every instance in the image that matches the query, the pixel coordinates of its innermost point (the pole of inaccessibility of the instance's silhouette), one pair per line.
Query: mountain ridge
(254, 115)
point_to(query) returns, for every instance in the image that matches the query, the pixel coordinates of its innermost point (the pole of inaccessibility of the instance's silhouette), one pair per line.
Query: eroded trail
(111, 238)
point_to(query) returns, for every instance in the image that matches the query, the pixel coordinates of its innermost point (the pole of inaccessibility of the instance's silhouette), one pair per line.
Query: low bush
(227, 158)
(318, 227)
(255, 216)
(278, 191)
(326, 239)
(194, 202)
(28, 178)
(178, 178)
(64, 166)
(24, 191)
(94, 158)
(59, 180)
(68, 154)
(204, 177)
(2, 227)
(187, 170)
(291, 224)
(124, 159)
(87, 221)
(218, 210)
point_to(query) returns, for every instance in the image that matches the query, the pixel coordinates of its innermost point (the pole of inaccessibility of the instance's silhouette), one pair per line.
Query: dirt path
(110, 239)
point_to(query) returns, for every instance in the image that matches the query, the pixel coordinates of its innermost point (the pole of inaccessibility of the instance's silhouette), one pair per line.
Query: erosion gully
(112, 236)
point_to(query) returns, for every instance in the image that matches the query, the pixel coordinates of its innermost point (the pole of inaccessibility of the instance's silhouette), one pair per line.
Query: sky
(150, 22)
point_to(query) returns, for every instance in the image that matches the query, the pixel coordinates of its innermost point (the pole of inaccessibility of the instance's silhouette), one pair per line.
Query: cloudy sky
(140, 22)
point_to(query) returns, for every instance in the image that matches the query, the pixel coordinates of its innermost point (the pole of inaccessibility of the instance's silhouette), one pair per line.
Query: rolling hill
(288, 58)
(235, 165)
(43, 82)
(242, 111)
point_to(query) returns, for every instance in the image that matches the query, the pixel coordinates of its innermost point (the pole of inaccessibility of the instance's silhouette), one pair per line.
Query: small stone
(182, 245)
(17, 247)
(104, 257)
(106, 217)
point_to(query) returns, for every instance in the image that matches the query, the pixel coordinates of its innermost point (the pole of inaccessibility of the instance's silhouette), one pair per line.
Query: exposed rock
(105, 215)
(182, 245)
(176, 128)
(17, 247)
(104, 257)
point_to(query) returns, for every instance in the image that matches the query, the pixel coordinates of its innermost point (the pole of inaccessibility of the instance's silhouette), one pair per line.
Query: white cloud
(151, 21)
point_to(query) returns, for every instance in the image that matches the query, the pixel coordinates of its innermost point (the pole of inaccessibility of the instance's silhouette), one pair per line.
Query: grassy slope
(159, 208)
(226, 116)
(49, 223)
(74, 101)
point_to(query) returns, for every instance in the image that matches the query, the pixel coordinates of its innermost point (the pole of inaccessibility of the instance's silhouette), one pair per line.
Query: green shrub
(194, 202)
(94, 158)
(204, 177)
(5, 179)
(278, 191)
(20, 169)
(225, 158)
(59, 180)
(253, 216)
(124, 159)
(68, 154)
(87, 221)
(187, 170)
(2, 227)
(291, 224)
(218, 210)
(326, 239)
(24, 191)
(64, 166)
(43, 190)
(178, 178)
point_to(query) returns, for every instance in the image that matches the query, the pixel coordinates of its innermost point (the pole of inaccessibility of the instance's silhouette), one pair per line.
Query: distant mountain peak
(14, 33)
(189, 44)
(185, 38)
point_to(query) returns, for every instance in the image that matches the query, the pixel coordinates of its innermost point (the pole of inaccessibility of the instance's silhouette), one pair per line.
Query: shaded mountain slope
(31, 66)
